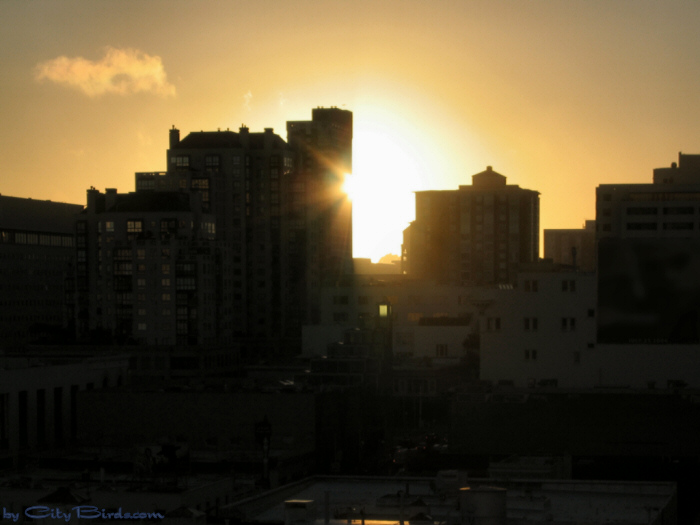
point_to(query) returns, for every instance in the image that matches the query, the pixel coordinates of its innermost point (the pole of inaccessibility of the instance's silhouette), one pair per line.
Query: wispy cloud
(120, 71)
(246, 100)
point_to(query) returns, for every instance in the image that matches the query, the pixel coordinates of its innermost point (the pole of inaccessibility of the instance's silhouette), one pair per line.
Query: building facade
(648, 241)
(477, 234)
(148, 271)
(280, 208)
(37, 252)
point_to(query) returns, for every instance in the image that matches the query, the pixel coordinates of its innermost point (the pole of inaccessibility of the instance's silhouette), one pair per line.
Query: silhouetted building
(280, 208)
(38, 396)
(323, 156)
(572, 247)
(149, 270)
(36, 250)
(649, 257)
(477, 234)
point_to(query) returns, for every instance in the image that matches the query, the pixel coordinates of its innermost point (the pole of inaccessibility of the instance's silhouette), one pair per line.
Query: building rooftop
(229, 139)
(325, 500)
(43, 216)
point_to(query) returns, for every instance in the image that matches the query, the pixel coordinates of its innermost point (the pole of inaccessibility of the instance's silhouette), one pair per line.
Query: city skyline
(585, 92)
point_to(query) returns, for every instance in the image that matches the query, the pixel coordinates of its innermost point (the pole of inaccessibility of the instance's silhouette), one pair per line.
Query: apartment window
(211, 161)
(142, 327)
(200, 183)
(340, 299)
(340, 317)
(568, 285)
(493, 323)
(181, 161)
(645, 226)
(109, 226)
(165, 282)
(568, 324)
(362, 299)
(186, 283)
(591, 312)
(531, 285)
(134, 226)
(166, 297)
(165, 269)
(530, 323)
(642, 211)
(441, 350)
(682, 210)
(678, 226)
(531, 355)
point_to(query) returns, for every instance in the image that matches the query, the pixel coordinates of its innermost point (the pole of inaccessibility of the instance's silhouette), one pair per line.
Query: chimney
(243, 134)
(110, 198)
(92, 195)
(174, 137)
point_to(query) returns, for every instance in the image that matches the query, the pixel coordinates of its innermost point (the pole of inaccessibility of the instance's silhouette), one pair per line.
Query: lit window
(134, 226)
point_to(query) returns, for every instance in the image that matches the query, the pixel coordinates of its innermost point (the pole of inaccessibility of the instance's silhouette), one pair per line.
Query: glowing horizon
(558, 97)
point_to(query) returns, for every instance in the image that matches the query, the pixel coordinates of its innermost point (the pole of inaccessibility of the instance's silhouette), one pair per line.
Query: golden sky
(557, 95)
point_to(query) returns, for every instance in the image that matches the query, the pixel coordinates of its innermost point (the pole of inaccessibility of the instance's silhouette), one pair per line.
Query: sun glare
(386, 171)
(349, 187)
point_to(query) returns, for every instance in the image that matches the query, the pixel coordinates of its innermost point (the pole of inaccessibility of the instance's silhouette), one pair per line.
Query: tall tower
(477, 234)
(323, 150)
(280, 212)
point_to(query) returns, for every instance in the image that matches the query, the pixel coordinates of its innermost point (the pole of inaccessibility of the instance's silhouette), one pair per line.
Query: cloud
(120, 71)
(247, 98)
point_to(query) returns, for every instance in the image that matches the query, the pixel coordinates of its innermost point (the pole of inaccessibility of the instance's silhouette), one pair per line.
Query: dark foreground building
(36, 253)
(279, 207)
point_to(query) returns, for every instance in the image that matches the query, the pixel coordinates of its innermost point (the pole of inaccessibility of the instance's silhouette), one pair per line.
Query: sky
(557, 95)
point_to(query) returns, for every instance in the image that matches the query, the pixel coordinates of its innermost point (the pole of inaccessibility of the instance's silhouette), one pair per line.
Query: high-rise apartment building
(323, 157)
(280, 209)
(149, 270)
(477, 234)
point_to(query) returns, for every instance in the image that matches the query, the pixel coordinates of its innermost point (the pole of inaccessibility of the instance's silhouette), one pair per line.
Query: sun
(387, 170)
